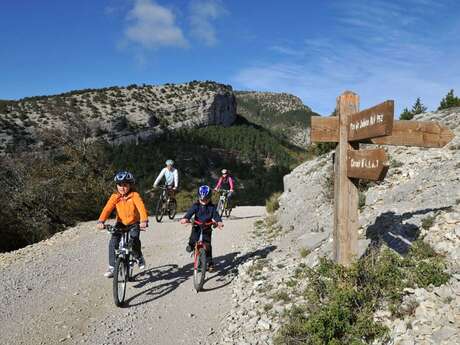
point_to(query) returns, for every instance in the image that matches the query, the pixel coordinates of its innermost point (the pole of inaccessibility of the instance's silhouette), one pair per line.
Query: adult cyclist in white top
(171, 176)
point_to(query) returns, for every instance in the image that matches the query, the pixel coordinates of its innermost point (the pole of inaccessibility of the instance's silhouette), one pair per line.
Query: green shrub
(342, 301)
(449, 101)
(395, 164)
(428, 222)
(323, 148)
(281, 296)
(406, 115)
(272, 203)
(304, 252)
(50, 191)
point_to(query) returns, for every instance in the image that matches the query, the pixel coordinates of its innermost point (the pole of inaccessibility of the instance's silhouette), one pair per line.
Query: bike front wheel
(120, 281)
(228, 210)
(159, 211)
(199, 269)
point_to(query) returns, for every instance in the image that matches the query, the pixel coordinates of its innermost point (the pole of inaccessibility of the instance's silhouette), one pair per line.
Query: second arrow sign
(367, 164)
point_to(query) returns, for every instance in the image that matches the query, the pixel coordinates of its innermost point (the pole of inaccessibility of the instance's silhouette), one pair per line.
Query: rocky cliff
(282, 113)
(419, 199)
(116, 114)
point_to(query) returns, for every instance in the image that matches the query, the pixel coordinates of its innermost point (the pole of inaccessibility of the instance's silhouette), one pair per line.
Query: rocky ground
(53, 292)
(420, 198)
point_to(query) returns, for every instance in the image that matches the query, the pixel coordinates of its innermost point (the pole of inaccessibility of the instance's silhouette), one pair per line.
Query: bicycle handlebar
(212, 224)
(164, 187)
(110, 228)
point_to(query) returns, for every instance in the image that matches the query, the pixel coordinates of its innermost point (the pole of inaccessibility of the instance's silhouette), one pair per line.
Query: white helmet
(224, 171)
(169, 162)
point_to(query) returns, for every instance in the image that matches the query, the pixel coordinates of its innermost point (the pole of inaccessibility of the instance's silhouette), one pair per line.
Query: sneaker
(109, 272)
(141, 262)
(188, 248)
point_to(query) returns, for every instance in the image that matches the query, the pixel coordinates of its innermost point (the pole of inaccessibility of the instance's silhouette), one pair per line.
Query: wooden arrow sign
(373, 122)
(367, 164)
(405, 133)
(417, 133)
(324, 129)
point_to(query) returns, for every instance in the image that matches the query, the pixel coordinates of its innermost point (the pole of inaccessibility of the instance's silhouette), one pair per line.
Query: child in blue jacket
(205, 213)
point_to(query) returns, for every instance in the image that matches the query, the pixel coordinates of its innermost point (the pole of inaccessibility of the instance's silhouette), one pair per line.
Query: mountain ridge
(137, 112)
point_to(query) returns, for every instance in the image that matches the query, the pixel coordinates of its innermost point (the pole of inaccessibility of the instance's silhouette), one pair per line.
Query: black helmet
(124, 177)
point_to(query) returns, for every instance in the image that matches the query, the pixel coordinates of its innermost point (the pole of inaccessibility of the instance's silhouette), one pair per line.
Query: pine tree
(418, 107)
(449, 101)
(406, 115)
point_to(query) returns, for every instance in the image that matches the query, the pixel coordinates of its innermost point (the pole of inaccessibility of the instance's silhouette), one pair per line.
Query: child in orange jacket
(131, 216)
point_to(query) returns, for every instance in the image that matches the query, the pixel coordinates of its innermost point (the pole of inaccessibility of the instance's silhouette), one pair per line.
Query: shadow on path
(389, 228)
(227, 268)
(238, 218)
(166, 278)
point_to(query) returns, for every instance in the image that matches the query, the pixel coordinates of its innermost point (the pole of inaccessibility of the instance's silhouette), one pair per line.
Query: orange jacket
(130, 208)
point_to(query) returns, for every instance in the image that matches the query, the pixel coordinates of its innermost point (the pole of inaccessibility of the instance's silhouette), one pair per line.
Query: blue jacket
(203, 213)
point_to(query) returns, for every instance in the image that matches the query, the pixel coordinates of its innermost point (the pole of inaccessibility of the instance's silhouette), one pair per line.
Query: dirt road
(54, 292)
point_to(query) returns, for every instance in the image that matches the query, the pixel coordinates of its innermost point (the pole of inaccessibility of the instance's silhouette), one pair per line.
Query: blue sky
(314, 49)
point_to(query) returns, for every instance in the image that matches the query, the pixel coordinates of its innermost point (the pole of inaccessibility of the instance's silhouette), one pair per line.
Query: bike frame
(123, 250)
(200, 243)
(166, 194)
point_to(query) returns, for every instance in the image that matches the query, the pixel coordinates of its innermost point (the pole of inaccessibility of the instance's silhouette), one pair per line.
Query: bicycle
(200, 260)
(165, 204)
(124, 265)
(223, 206)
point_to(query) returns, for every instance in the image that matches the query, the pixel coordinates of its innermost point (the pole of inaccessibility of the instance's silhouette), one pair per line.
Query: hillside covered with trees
(48, 190)
(283, 114)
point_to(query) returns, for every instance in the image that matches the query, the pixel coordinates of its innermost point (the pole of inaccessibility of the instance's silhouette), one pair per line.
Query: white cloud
(202, 15)
(152, 26)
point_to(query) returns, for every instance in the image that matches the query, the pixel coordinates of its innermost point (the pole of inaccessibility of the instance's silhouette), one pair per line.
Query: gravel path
(53, 292)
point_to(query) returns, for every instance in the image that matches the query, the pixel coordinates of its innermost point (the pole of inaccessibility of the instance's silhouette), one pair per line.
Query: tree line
(449, 101)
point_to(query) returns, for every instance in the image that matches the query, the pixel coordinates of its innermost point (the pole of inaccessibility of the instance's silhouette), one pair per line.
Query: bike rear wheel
(120, 281)
(172, 209)
(199, 271)
(159, 211)
(220, 208)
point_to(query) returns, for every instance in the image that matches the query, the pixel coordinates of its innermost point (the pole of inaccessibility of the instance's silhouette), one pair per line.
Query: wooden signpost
(350, 127)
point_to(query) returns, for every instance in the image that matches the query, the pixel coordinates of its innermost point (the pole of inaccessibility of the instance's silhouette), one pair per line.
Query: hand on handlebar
(100, 226)
(184, 221)
(220, 225)
(143, 226)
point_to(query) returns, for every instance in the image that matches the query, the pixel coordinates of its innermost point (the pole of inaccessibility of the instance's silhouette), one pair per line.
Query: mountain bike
(223, 206)
(200, 259)
(166, 204)
(123, 270)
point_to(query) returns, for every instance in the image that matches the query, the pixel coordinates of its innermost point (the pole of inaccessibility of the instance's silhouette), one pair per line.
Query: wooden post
(345, 190)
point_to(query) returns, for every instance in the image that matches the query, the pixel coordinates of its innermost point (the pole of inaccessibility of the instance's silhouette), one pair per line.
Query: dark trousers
(207, 236)
(134, 238)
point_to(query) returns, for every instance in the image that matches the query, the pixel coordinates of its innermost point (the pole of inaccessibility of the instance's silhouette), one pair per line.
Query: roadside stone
(443, 334)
